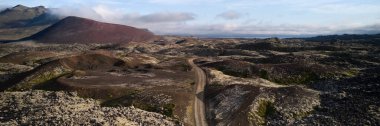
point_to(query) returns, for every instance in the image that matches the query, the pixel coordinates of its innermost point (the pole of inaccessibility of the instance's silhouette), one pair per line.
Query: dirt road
(199, 106)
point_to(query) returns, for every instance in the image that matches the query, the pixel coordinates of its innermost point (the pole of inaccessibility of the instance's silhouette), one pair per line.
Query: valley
(78, 71)
(265, 82)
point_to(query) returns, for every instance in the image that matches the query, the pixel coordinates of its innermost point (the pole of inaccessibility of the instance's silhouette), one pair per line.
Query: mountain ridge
(21, 21)
(23, 16)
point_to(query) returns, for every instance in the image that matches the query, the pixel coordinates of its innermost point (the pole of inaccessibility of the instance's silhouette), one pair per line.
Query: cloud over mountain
(244, 16)
(2, 7)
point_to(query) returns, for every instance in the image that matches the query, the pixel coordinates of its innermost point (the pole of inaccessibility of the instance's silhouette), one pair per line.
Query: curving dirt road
(199, 106)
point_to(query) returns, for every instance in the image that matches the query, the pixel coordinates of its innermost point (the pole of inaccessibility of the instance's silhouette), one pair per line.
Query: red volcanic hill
(81, 30)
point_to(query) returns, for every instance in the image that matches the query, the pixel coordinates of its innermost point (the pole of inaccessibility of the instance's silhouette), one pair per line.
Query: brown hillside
(81, 30)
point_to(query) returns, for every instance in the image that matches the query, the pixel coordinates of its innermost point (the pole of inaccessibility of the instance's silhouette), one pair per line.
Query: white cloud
(346, 8)
(3, 7)
(229, 15)
(317, 6)
(236, 29)
(104, 13)
(166, 17)
(79, 11)
(107, 13)
(185, 1)
(156, 22)
(180, 23)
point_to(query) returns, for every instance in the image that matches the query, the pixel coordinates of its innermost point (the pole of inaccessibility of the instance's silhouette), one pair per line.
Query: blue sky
(285, 17)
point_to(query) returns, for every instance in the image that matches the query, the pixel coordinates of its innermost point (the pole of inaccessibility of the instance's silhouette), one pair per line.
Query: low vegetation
(250, 81)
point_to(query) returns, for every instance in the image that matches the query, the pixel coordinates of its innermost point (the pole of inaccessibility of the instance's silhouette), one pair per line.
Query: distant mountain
(344, 37)
(81, 30)
(21, 21)
(22, 16)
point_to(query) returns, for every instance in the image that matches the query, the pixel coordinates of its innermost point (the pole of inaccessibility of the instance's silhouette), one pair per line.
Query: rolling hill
(80, 30)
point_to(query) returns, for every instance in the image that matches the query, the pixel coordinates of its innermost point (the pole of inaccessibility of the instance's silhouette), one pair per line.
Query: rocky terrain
(115, 75)
(249, 81)
(66, 108)
(136, 78)
(292, 82)
(238, 101)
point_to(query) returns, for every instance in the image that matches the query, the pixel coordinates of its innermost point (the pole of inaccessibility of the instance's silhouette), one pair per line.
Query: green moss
(304, 78)
(130, 99)
(44, 78)
(192, 83)
(39, 80)
(302, 115)
(168, 110)
(185, 67)
(265, 109)
(350, 73)
(215, 85)
(49, 85)
(231, 72)
(110, 95)
(126, 100)
(308, 77)
(264, 74)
